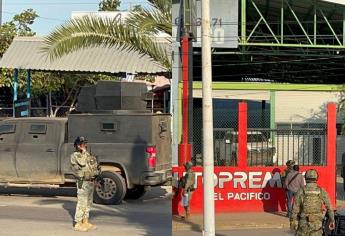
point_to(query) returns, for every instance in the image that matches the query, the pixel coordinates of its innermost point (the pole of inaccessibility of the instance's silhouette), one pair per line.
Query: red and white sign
(251, 189)
(256, 189)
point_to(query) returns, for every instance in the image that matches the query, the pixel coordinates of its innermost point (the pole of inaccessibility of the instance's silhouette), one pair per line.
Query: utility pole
(207, 120)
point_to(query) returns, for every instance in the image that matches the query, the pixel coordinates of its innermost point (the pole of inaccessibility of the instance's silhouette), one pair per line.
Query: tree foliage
(140, 32)
(63, 86)
(109, 5)
(18, 26)
(136, 8)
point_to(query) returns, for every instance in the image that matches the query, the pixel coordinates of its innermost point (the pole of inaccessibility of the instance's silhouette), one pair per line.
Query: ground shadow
(43, 192)
(194, 227)
(153, 222)
(67, 205)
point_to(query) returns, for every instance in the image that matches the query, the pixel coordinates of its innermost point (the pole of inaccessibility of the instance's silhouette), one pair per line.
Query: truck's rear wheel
(136, 192)
(113, 191)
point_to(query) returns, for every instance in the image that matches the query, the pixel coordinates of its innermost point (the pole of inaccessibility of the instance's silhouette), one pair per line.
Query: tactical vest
(92, 165)
(311, 201)
(189, 181)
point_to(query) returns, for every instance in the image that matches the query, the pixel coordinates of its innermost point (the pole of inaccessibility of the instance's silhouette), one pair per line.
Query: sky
(53, 13)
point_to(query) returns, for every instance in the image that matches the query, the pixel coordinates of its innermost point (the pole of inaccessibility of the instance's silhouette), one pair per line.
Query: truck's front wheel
(112, 191)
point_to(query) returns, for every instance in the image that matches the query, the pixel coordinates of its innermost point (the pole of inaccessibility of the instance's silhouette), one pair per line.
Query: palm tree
(140, 32)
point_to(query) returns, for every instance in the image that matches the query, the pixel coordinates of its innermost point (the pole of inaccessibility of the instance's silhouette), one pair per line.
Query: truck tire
(114, 189)
(136, 192)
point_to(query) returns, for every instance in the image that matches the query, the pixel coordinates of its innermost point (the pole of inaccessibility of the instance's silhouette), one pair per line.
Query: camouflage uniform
(85, 168)
(187, 183)
(283, 175)
(307, 214)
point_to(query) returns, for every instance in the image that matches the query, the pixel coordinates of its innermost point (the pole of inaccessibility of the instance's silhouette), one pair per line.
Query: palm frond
(154, 20)
(91, 31)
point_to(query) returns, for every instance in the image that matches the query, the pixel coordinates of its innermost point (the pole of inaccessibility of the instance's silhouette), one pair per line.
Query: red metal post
(185, 47)
(242, 135)
(331, 149)
(185, 147)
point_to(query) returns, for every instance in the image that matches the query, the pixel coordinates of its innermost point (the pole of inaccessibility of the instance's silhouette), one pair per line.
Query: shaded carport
(296, 41)
(25, 53)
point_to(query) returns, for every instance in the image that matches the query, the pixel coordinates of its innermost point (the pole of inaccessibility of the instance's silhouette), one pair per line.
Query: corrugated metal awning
(25, 53)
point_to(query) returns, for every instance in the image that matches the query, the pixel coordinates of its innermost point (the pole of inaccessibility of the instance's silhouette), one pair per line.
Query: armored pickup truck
(132, 145)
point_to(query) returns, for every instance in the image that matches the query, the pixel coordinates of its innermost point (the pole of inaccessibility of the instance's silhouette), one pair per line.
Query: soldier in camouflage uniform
(307, 214)
(283, 175)
(187, 185)
(85, 167)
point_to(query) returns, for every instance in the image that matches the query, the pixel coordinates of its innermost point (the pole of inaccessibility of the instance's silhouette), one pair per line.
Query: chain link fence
(303, 143)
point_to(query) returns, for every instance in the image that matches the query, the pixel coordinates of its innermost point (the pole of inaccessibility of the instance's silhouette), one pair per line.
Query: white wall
(257, 95)
(304, 106)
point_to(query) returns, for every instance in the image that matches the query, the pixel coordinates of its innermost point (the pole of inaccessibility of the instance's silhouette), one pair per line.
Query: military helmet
(311, 174)
(188, 165)
(79, 140)
(290, 163)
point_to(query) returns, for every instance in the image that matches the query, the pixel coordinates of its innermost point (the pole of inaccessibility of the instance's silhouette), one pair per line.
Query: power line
(42, 17)
(68, 3)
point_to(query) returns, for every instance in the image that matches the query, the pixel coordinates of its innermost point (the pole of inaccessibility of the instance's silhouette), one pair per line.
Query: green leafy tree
(109, 5)
(23, 22)
(43, 83)
(18, 26)
(136, 8)
(138, 33)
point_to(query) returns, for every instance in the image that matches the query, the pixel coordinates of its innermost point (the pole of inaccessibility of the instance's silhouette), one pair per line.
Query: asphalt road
(244, 232)
(50, 212)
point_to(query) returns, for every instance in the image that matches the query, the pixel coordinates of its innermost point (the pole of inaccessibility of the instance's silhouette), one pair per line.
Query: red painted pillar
(331, 150)
(242, 135)
(185, 147)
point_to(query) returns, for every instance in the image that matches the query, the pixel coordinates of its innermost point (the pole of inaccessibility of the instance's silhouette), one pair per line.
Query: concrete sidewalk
(263, 220)
(227, 221)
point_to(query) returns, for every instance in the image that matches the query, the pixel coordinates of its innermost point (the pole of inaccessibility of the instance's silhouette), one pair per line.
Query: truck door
(37, 152)
(7, 151)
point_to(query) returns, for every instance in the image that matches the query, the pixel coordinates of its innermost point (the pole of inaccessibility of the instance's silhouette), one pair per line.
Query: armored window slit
(110, 127)
(7, 129)
(38, 129)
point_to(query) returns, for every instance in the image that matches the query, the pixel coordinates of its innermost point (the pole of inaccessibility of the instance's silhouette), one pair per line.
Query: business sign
(22, 107)
(224, 23)
(248, 189)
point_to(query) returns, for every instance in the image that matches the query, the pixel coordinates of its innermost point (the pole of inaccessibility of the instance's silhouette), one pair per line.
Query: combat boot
(88, 225)
(79, 226)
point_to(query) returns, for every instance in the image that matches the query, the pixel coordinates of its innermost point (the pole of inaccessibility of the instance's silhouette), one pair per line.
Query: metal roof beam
(330, 27)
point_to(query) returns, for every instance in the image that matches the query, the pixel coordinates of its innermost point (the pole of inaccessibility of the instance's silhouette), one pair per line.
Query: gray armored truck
(132, 144)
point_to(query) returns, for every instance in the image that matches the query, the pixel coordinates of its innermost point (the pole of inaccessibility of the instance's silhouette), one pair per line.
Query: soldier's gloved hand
(331, 226)
(87, 175)
(293, 225)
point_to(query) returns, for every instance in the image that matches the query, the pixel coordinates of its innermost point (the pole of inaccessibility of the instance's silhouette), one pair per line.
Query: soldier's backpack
(311, 201)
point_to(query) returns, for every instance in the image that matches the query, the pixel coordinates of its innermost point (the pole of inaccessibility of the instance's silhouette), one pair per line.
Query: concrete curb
(233, 227)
